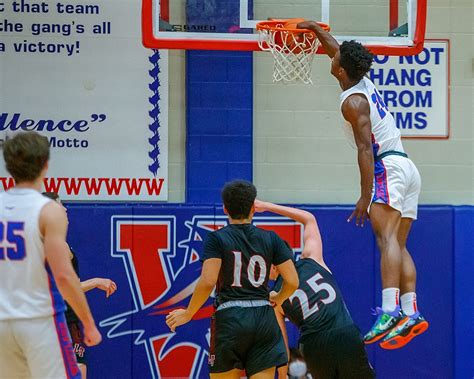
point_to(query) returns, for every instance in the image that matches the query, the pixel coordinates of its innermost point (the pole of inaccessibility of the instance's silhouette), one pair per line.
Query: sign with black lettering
(416, 90)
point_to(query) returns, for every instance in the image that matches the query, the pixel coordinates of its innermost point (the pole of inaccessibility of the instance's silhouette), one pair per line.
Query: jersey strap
(390, 152)
(243, 304)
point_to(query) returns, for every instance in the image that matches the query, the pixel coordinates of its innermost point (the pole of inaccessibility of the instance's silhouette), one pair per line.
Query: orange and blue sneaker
(385, 322)
(405, 332)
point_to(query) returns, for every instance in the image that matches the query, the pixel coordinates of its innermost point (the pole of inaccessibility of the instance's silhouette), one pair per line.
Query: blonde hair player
(35, 272)
(390, 186)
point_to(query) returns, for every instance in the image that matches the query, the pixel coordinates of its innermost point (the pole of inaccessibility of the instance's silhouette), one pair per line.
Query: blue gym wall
(441, 244)
(219, 148)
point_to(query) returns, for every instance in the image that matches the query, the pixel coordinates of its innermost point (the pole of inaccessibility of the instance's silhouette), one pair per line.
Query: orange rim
(280, 25)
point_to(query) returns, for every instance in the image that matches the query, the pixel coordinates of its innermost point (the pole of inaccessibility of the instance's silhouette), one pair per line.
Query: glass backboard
(389, 27)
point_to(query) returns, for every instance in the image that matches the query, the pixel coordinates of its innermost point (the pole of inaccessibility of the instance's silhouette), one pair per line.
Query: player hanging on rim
(244, 332)
(34, 265)
(390, 186)
(329, 340)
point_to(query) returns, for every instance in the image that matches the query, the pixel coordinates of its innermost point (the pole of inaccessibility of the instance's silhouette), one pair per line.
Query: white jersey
(385, 134)
(27, 287)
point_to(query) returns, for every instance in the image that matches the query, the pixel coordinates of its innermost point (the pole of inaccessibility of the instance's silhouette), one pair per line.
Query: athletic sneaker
(384, 324)
(405, 332)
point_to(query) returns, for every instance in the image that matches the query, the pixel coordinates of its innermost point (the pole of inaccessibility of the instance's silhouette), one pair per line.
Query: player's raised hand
(360, 212)
(307, 25)
(259, 206)
(92, 335)
(177, 318)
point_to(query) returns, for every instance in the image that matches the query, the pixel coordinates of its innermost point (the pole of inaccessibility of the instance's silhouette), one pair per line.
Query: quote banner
(77, 73)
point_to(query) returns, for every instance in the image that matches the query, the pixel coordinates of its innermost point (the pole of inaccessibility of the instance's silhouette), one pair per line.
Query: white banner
(78, 74)
(416, 90)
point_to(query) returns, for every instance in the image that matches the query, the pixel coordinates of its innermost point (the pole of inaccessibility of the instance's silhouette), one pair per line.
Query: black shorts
(338, 353)
(247, 339)
(77, 338)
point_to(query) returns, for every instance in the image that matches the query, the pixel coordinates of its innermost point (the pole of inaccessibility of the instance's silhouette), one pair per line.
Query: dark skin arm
(330, 45)
(356, 111)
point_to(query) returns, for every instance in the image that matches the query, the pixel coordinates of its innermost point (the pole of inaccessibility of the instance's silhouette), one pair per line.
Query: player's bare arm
(280, 316)
(104, 284)
(290, 282)
(53, 226)
(313, 246)
(356, 111)
(329, 43)
(206, 283)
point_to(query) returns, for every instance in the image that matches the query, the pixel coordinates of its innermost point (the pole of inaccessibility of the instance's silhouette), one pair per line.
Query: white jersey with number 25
(27, 287)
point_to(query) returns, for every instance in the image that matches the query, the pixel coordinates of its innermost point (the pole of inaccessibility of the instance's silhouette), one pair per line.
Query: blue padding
(219, 92)
(464, 292)
(441, 244)
(90, 237)
(430, 355)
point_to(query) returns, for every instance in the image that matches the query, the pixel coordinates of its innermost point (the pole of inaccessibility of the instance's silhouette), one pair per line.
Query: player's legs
(408, 270)
(232, 374)
(83, 369)
(269, 373)
(227, 341)
(320, 355)
(385, 222)
(267, 347)
(79, 347)
(48, 347)
(352, 360)
(415, 324)
(13, 363)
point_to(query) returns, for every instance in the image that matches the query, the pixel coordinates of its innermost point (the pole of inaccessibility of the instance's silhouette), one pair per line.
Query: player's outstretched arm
(53, 226)
(104, 284)
(313, 246)
(356, 111)
(330, 45)
(206, 283)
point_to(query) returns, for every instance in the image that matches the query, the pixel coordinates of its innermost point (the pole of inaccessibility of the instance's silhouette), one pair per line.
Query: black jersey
(247, 254)
(70, 314)
(317, 305)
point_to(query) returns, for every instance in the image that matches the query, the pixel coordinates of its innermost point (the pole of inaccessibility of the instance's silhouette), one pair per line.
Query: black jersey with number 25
(247, 253)
(317, 305)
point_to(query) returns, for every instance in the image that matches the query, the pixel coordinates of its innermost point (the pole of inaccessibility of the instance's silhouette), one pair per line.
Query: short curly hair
(356, 60)
(238, 197)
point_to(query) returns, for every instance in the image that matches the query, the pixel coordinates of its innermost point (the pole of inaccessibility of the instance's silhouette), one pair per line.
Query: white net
(293, 52)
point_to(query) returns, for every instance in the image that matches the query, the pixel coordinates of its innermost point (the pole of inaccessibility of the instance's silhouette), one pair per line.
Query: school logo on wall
(162, 273)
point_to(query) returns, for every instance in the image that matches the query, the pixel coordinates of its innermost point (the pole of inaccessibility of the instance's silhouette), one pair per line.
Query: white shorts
(37, 348)
(397, 183)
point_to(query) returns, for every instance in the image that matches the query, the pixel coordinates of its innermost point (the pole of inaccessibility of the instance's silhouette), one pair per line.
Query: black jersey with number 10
(317, 305)
(247, 253)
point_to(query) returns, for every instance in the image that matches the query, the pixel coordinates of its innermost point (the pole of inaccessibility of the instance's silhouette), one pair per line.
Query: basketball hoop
(293, 49)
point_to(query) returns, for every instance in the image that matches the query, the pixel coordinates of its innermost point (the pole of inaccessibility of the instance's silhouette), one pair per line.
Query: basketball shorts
(37, 348)
(77, 338)
(397, 183)
(338, 353)
(247, 339)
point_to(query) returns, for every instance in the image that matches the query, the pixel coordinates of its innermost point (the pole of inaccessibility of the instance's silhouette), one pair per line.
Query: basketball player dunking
(390, 186)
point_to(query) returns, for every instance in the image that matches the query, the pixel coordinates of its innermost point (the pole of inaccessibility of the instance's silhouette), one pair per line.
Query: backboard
(388, 27)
